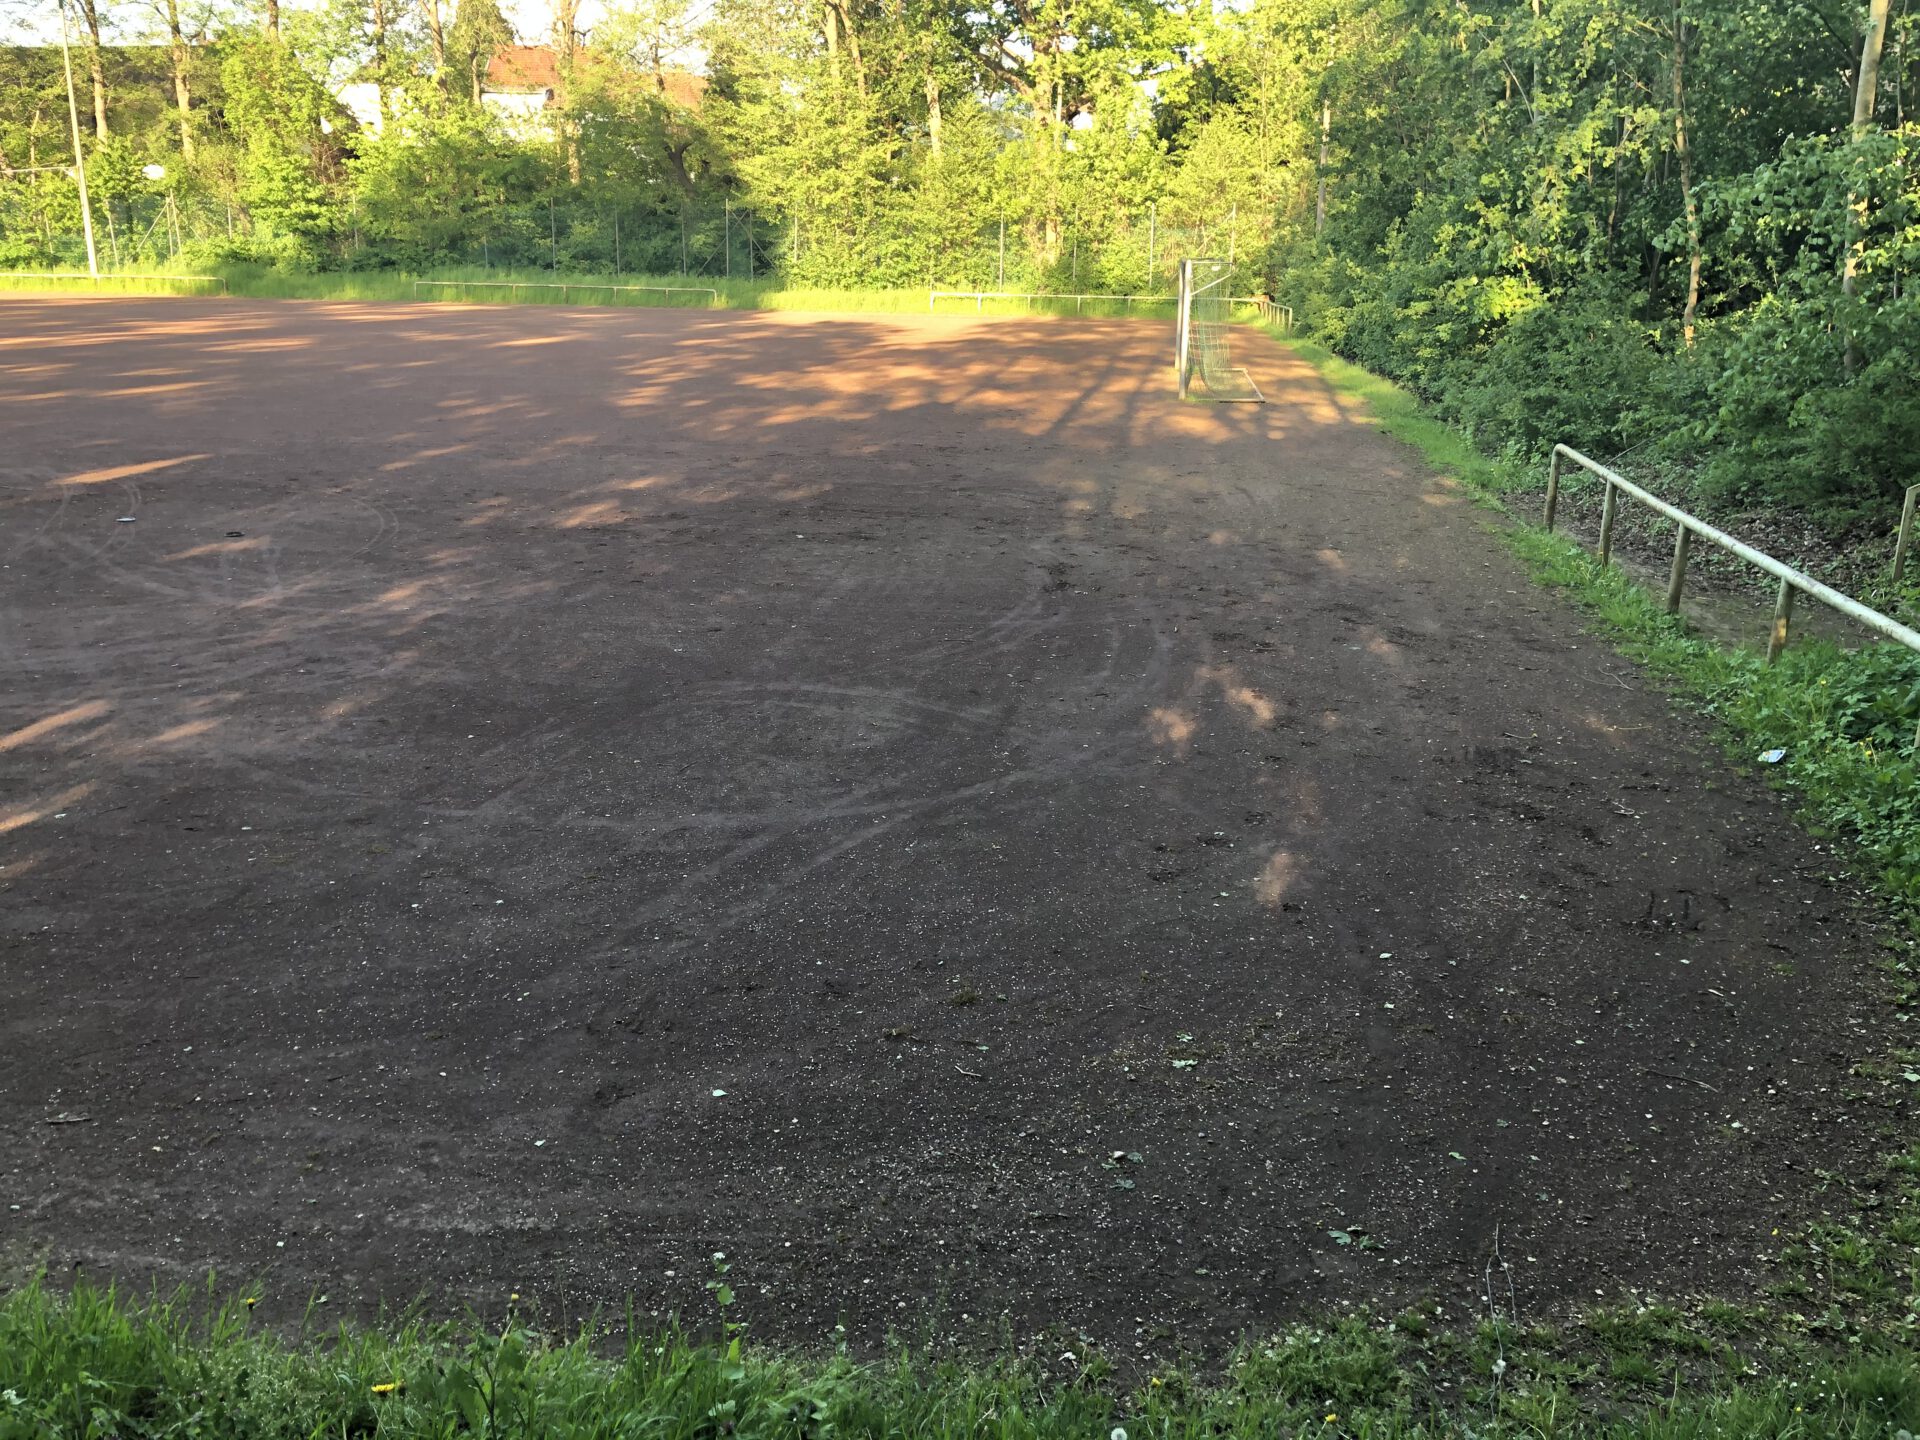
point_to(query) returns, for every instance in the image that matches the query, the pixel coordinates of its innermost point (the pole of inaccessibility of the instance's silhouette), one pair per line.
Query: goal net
(1202, 344)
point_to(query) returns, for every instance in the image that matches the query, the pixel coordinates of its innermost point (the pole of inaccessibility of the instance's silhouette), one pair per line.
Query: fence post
(1905, 542)
(1553, 490)
(1607, 508)
(1782, 619)
(1682, 540)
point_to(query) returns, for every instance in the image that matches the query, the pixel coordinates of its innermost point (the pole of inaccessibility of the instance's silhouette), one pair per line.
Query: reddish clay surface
(500, 731)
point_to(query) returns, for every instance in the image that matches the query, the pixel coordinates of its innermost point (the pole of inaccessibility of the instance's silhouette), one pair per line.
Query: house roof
(523, 67)
(530, 69)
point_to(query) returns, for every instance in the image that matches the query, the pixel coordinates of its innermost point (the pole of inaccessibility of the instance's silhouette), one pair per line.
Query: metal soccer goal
(1201, 339)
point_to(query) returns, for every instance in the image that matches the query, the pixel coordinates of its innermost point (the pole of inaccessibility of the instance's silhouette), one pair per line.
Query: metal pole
(1001, 281)
(1153, 224)
(1233, 229)
(79, 163)
(1606, 525)
(1185, 309)
(1905, 541)
(1553, 491)
(726, 231)
(553, 238)
(1677, 577)
(1782, 618)
(616, 239)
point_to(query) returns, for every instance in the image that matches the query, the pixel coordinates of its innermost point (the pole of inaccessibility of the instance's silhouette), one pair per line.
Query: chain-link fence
(698, 238)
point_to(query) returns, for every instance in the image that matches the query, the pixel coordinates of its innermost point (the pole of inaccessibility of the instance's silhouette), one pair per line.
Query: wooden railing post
(1677, 577)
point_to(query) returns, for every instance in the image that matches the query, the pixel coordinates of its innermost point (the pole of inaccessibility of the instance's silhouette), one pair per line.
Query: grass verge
(476, 285)
(94, 1364)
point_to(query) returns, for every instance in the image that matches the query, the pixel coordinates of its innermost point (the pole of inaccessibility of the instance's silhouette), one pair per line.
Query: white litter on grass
(1772, 757)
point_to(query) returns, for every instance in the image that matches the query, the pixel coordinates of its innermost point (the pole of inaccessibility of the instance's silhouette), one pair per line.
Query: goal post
(1202, 341)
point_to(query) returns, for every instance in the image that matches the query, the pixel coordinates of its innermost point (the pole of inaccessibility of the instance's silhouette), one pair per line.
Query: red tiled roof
(532, 68)
(683, 88)
(523, 67)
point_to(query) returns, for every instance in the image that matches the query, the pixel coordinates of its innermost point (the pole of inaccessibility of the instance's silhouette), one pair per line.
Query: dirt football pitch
(519, 799)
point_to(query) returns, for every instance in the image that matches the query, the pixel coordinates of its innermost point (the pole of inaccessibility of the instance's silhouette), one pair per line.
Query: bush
(1574, 369)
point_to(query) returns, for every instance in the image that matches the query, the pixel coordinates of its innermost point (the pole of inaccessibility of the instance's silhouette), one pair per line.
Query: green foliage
(1572, 365)
(276, 103)
(1792, 415)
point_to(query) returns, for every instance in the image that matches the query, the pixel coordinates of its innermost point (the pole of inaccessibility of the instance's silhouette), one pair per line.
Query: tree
(180, 58)
(89, 12)
(478, 33)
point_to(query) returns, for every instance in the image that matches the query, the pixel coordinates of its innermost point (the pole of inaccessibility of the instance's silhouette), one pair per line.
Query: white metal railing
(1686, 526)
(513, 286)
(109, 278)
(1269, 310)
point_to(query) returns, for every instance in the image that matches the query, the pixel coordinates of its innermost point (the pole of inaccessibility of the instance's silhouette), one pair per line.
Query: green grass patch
(478, 285)
(96, 1364)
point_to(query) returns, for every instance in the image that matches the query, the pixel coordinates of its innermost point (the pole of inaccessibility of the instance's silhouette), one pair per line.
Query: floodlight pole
(79, 164)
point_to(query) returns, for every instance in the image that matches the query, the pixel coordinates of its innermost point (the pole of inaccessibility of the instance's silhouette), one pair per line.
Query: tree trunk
(1684, 155)
(933, 114)
(1533, 94)
(1320, 176)
(566, 20)
(839, 9)
(90, 12)
(380, 58)
(273, 19)
(182, 98)
(1865, 93)
(436, 39)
